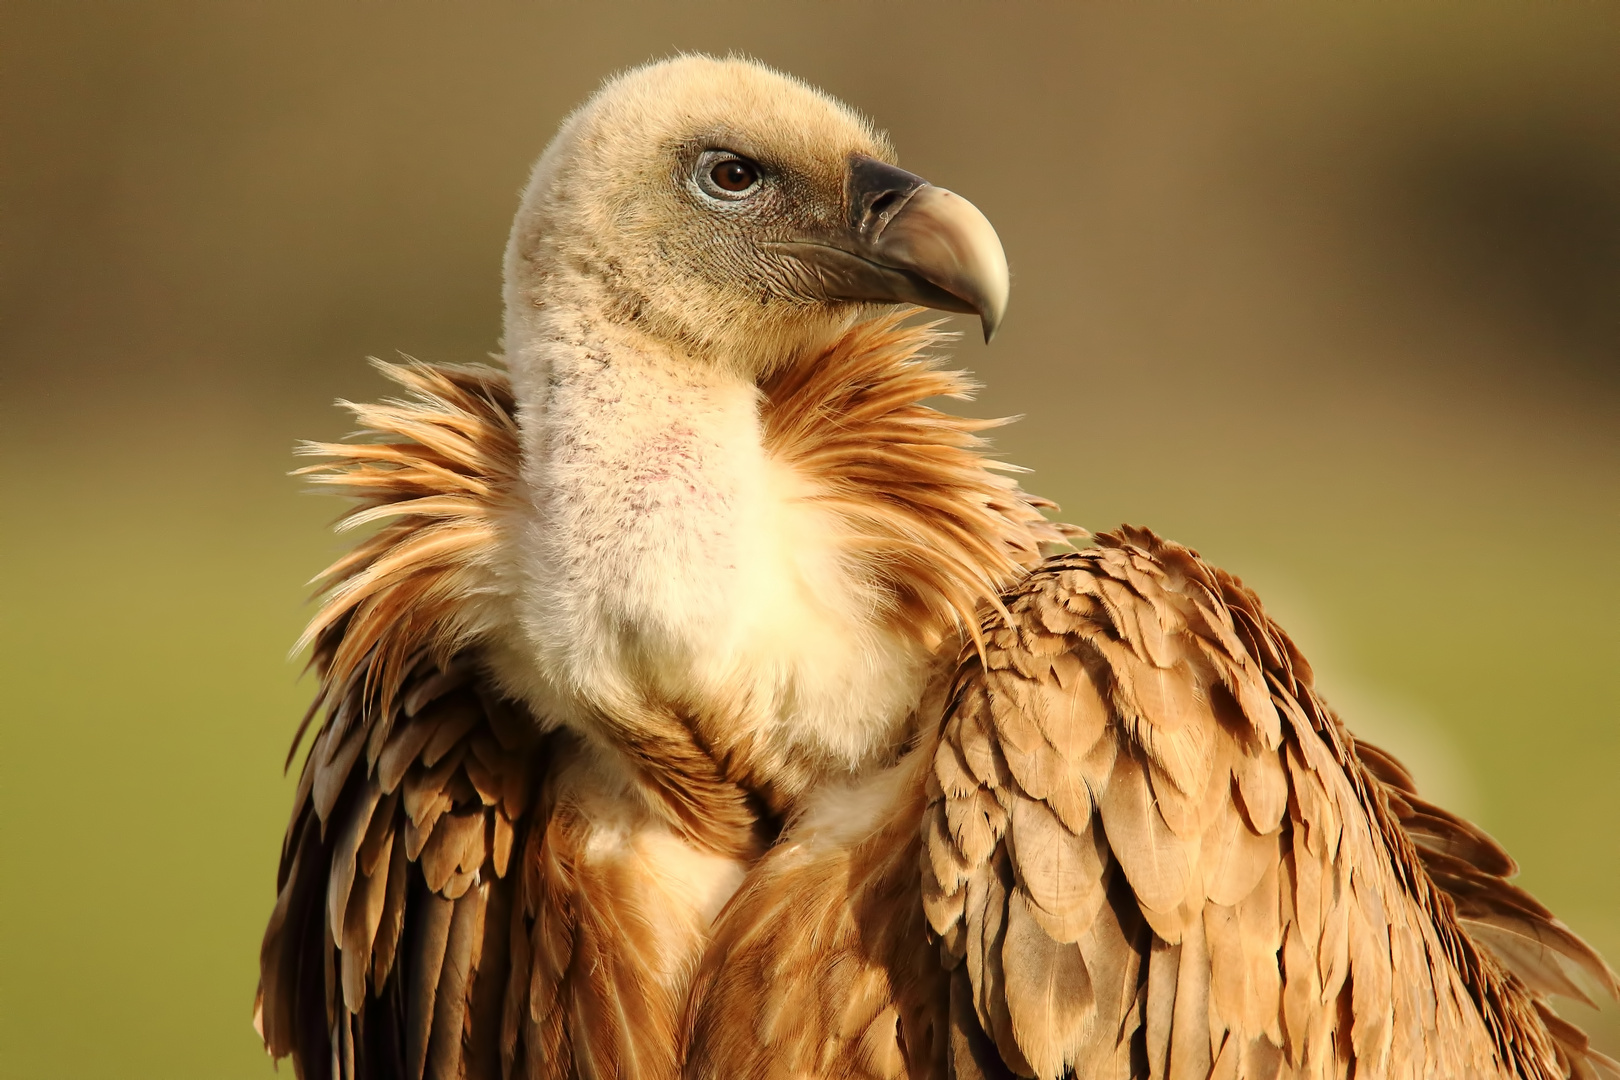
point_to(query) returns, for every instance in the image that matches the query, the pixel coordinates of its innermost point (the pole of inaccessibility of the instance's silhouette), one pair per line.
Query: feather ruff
(927, 513)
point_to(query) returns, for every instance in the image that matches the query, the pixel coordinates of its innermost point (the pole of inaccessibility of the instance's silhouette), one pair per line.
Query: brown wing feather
(1147, 849)
(387, 953)
(407, 937)
(1309, 915)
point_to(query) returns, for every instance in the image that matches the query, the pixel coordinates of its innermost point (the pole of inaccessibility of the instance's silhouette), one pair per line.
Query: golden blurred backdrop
(1329, 291)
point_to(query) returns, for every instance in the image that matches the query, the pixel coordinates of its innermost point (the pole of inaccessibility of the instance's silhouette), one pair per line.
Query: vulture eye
(734, 175)
(723, 174)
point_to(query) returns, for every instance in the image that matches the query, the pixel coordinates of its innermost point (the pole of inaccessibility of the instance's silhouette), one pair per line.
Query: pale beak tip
(992, 301)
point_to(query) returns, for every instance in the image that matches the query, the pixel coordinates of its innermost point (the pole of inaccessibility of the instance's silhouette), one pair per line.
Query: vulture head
(739, 216)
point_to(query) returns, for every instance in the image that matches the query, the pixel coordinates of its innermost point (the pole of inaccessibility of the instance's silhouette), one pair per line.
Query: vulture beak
(907, 242)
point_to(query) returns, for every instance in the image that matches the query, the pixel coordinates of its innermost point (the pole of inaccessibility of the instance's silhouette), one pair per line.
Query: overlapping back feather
(1148, 849)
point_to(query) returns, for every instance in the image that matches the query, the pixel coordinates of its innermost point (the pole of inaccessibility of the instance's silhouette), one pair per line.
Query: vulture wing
(388, 951)
(400, 941)
(1147, 849)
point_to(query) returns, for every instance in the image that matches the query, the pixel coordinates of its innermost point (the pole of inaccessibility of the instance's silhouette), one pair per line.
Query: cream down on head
(738, 216)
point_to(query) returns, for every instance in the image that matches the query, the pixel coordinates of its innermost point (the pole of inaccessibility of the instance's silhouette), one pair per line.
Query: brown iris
(734, 174)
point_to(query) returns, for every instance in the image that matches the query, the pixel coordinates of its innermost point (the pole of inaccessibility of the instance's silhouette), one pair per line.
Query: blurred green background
(1329, 291)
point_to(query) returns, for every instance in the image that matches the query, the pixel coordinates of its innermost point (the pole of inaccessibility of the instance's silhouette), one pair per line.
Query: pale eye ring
(725, 174)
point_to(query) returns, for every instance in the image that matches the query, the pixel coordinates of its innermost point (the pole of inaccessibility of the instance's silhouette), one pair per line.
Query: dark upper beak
(907, 242)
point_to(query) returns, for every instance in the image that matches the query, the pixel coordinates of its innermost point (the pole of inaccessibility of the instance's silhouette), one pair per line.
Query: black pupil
(734, 175)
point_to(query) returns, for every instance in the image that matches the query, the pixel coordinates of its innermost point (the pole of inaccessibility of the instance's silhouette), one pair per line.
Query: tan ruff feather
(934, 519)
(436, 477)
(402, 943)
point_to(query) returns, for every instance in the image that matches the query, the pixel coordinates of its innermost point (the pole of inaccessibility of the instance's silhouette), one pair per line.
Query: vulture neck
(781, 566)
(672, 562)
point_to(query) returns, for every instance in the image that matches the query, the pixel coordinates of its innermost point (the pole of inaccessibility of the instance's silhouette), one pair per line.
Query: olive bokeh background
(1328, 291)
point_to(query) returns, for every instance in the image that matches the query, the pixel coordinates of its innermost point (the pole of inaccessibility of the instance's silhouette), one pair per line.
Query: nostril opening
(884, 203)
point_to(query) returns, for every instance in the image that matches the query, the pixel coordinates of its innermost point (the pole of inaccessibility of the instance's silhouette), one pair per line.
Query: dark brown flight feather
(390, 935)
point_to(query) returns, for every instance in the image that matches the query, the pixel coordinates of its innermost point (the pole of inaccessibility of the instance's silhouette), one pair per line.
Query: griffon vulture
(702, 703)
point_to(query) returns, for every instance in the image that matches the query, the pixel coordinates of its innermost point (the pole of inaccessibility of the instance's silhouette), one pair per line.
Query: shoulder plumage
(1139, 787)
(393, 923)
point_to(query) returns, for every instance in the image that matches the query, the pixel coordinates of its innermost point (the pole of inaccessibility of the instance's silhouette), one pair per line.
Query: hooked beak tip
(948, 241)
